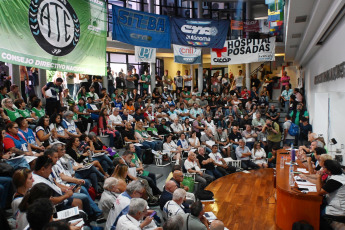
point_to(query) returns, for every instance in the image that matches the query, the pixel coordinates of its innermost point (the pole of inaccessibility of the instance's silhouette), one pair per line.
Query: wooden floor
(242, 200)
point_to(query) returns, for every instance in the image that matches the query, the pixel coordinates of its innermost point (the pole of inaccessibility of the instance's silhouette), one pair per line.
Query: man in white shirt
(192, 166)
(135, 189)
(116, 120)
(177, 127)
(195, 111)
(188, 80)
(174, 207)
(239, 81)
(219, 161)
(137, 211)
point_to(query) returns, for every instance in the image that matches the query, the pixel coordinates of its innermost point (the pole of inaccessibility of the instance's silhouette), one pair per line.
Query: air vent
(296, 35)
(300, 19)
(294, 46)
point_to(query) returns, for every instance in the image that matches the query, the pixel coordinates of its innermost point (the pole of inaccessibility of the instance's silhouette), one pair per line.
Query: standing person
(274, 134)
(145, 81)
(110, 79)
(178, 80)
(205, 80)
(239, 81)
(129, 80)
(84, 81)
(120, 83)
(167, 81)
(288, 139)
(285, 80)
(54, 99)
(137, 78)
(188, 80)
(70, 77)
(285, 97)
(24, 81)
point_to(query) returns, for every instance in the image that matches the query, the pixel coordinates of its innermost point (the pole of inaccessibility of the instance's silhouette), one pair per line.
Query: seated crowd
(60, 160)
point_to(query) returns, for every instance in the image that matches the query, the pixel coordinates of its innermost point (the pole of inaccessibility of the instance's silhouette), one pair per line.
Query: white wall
(328, 56)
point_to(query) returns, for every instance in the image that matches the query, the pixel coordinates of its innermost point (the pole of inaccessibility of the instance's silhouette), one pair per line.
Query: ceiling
(305, 23)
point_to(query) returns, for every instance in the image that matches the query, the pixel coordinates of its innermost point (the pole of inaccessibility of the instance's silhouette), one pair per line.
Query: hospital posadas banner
(68, 36)
(141, 29)
(187, 55)
(199, 32)
(244, 51)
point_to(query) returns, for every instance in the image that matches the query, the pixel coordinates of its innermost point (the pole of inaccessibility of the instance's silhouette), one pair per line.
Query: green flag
(61, 35)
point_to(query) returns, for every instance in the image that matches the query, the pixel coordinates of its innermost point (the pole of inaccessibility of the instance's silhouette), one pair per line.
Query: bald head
(217, 225)
(178, 175)
(170, 186)
(121, 186)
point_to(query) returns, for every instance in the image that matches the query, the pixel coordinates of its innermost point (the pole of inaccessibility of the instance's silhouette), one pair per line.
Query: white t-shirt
(176, 128)
(239, 81)
(287, 125)
(171, 208)
(117, 120)
(189, 165)
(187, 83)
(216, 157)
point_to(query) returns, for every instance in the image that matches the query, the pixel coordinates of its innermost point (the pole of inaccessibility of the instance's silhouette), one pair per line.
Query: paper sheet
(67, 213)
(93, 107)
(303, 170)
(300, 183)
(310, 188)
(210, 216)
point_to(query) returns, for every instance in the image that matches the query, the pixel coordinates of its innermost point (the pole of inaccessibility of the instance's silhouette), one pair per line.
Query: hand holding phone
(154, 213)
(75, 188)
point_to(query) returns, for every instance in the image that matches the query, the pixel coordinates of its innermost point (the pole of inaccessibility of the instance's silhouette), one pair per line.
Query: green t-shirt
(39, 113)
(146, 78)
(25, 113)
(82, 109)
(306, 114)
(270, 156)
(13, 115)
(153, 130)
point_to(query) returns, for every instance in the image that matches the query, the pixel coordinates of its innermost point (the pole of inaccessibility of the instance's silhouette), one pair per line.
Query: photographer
(274, 135)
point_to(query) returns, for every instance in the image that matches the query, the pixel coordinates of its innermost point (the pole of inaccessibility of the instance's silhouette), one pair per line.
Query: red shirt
(9, 143)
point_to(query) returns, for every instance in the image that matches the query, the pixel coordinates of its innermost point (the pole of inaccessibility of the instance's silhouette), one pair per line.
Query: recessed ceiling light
(296, 35)
(300, 19)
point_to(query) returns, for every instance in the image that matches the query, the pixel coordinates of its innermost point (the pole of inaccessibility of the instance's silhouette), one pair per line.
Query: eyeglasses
(16, 127)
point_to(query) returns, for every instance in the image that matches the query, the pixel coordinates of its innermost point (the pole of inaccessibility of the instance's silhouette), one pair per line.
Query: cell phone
(303, 189)
(154, 213)
(300, 180)
(207, 215)
(75, 187)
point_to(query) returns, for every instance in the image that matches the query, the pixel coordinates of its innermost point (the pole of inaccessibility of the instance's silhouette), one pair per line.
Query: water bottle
(282, 163)
(293, 154)
(89, 156)
(291, 179)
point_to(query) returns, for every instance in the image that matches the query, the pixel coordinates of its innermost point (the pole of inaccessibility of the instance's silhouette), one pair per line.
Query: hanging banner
(187, 55)
(67, 36)
(199, 32)
(242, 51)
(141, 29)
(236, 25)
(251, 26)
(144, 54)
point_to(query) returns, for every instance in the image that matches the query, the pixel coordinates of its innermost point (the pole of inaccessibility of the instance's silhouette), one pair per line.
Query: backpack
(148, 156)
(204, 194)
(294, 129)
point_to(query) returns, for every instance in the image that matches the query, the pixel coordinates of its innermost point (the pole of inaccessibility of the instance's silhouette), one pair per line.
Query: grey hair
(110, 182)
(68, 113)
(134, 186)
(190, 153)
(56, 147)
(319, 144)
(137, 205)
(313, 135)
(174, 223)
(178, 194)
(92, 135)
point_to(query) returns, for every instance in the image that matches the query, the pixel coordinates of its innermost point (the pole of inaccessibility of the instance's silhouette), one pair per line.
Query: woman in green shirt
(83, 114)
(37, 108)
(7, 105)
(20, 104)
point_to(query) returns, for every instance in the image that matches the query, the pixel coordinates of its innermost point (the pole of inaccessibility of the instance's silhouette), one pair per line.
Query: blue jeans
(148, 144)
(90, 204)
(215, 173)
(288, 142)
(18, 163)
(159, 145)
(5, 190)
(71, 89)
(104, 161)
(93, 174)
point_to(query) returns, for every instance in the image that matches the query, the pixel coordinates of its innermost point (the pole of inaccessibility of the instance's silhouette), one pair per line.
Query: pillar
(153, 76)
(15, 73)
(200, 66)
(248, 76)
(42, 76)
(151, 6)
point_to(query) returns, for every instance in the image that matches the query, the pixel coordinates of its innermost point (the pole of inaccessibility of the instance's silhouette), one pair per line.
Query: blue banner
(199, 32)
(140, 28)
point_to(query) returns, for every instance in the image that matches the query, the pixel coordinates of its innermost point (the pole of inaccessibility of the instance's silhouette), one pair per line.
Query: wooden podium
(293, 205)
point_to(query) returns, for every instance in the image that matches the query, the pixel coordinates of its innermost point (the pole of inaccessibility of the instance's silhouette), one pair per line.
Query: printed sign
(60, 35)
(187, 55)
(199, 32)
(144, 54)
(141, 29)
(236, 25)
(244, 51)
(251, 26)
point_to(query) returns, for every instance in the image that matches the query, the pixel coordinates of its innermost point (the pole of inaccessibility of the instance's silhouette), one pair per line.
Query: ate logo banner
(54, 25)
